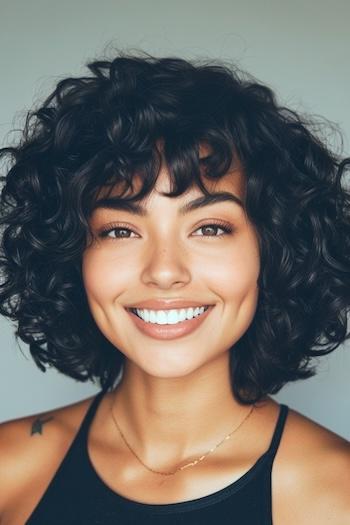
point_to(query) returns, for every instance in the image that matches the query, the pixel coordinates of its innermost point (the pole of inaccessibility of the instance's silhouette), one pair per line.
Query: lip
(167, 304)
(169, 331)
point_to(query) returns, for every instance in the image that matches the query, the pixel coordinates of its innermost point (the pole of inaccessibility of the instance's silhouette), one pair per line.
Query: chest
(136, 484)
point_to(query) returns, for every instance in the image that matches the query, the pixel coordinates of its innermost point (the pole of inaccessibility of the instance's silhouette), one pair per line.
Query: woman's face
(168, 255)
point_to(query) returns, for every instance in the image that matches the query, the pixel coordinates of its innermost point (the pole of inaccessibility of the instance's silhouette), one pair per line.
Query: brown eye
(121, 233)
(214, 227)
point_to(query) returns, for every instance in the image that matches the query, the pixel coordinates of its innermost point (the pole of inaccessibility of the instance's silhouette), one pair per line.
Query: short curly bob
(98, 130)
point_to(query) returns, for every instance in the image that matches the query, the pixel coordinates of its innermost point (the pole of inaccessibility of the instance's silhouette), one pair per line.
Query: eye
(122, 232)
(226, 228)
(123, 235)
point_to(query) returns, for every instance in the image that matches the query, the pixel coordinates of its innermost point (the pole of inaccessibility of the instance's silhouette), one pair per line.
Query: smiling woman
(188, 266)
(173, 233)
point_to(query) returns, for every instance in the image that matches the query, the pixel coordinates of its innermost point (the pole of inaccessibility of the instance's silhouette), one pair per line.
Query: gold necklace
(192, 463)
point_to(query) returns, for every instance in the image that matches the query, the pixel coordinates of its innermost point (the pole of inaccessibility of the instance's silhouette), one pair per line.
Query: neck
(168, 420)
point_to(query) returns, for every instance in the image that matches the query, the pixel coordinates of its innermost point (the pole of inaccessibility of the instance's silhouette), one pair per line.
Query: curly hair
(98, 130)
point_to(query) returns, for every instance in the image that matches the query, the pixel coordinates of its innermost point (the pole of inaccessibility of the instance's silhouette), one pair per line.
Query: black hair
(97, 130)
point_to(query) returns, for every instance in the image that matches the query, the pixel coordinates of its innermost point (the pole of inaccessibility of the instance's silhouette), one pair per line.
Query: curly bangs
(102, 129)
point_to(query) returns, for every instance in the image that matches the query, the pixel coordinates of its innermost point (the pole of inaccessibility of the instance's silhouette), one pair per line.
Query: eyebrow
(116, 203)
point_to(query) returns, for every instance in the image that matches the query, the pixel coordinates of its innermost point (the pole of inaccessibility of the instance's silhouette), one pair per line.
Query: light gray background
(300, 48)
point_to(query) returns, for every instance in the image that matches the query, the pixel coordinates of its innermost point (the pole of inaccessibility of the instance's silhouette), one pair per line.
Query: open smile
(169, 331)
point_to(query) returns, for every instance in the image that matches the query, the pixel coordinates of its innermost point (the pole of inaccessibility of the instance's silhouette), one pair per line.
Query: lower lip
(169, 331)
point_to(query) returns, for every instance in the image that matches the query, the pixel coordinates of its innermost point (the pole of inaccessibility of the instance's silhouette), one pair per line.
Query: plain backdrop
(299, 48)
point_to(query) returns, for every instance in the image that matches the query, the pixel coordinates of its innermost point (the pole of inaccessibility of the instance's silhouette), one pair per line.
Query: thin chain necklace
(192, 463)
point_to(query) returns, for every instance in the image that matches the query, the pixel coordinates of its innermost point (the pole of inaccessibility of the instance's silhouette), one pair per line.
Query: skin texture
(170, 387)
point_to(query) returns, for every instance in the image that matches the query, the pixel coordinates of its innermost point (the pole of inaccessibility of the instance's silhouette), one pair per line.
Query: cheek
(236, 273)
(103, 276)
(237, 280)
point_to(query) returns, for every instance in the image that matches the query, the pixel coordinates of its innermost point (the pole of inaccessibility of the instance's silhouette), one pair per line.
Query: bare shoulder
(32, 447)
(311, 475)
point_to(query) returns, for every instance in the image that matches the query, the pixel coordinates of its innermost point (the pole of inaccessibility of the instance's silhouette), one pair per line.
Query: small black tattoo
(37, 426)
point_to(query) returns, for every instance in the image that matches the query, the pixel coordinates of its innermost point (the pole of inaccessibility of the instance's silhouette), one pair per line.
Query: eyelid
(110, 226)
(226, 226)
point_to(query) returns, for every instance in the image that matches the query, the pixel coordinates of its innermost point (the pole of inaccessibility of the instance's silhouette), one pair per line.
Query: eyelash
(222, 225)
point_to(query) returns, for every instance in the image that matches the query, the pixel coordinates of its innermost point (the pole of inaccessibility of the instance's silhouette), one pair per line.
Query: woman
(173, 233)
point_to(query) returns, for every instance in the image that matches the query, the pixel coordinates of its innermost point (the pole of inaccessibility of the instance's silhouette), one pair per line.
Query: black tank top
(77, 495)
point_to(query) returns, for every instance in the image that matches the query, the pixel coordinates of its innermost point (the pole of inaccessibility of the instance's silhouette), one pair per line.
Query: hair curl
(96, 130)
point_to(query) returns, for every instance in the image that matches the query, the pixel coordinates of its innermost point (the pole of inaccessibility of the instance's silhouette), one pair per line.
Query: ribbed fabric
(77, 495)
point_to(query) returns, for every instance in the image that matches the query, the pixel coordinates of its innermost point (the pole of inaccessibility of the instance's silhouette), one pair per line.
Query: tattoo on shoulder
(37, 426)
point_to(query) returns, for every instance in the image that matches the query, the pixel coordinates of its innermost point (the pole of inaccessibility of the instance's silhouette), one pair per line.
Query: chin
(168, 369)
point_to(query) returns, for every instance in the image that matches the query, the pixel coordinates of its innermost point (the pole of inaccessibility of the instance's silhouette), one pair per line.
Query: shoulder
(312, 475)
(32, 447)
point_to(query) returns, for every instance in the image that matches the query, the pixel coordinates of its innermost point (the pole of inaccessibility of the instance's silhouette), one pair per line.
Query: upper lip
(167, 304)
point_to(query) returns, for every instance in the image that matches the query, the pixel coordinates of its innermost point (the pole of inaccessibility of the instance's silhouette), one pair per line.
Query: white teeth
(169, 316)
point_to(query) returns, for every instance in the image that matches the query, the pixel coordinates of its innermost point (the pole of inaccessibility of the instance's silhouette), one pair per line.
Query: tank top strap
(276, 438)
(85, 424)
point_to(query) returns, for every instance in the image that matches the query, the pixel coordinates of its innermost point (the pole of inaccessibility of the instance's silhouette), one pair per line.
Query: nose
(166, 265)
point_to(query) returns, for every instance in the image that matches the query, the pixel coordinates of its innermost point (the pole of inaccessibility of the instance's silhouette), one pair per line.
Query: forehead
(233, 181)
